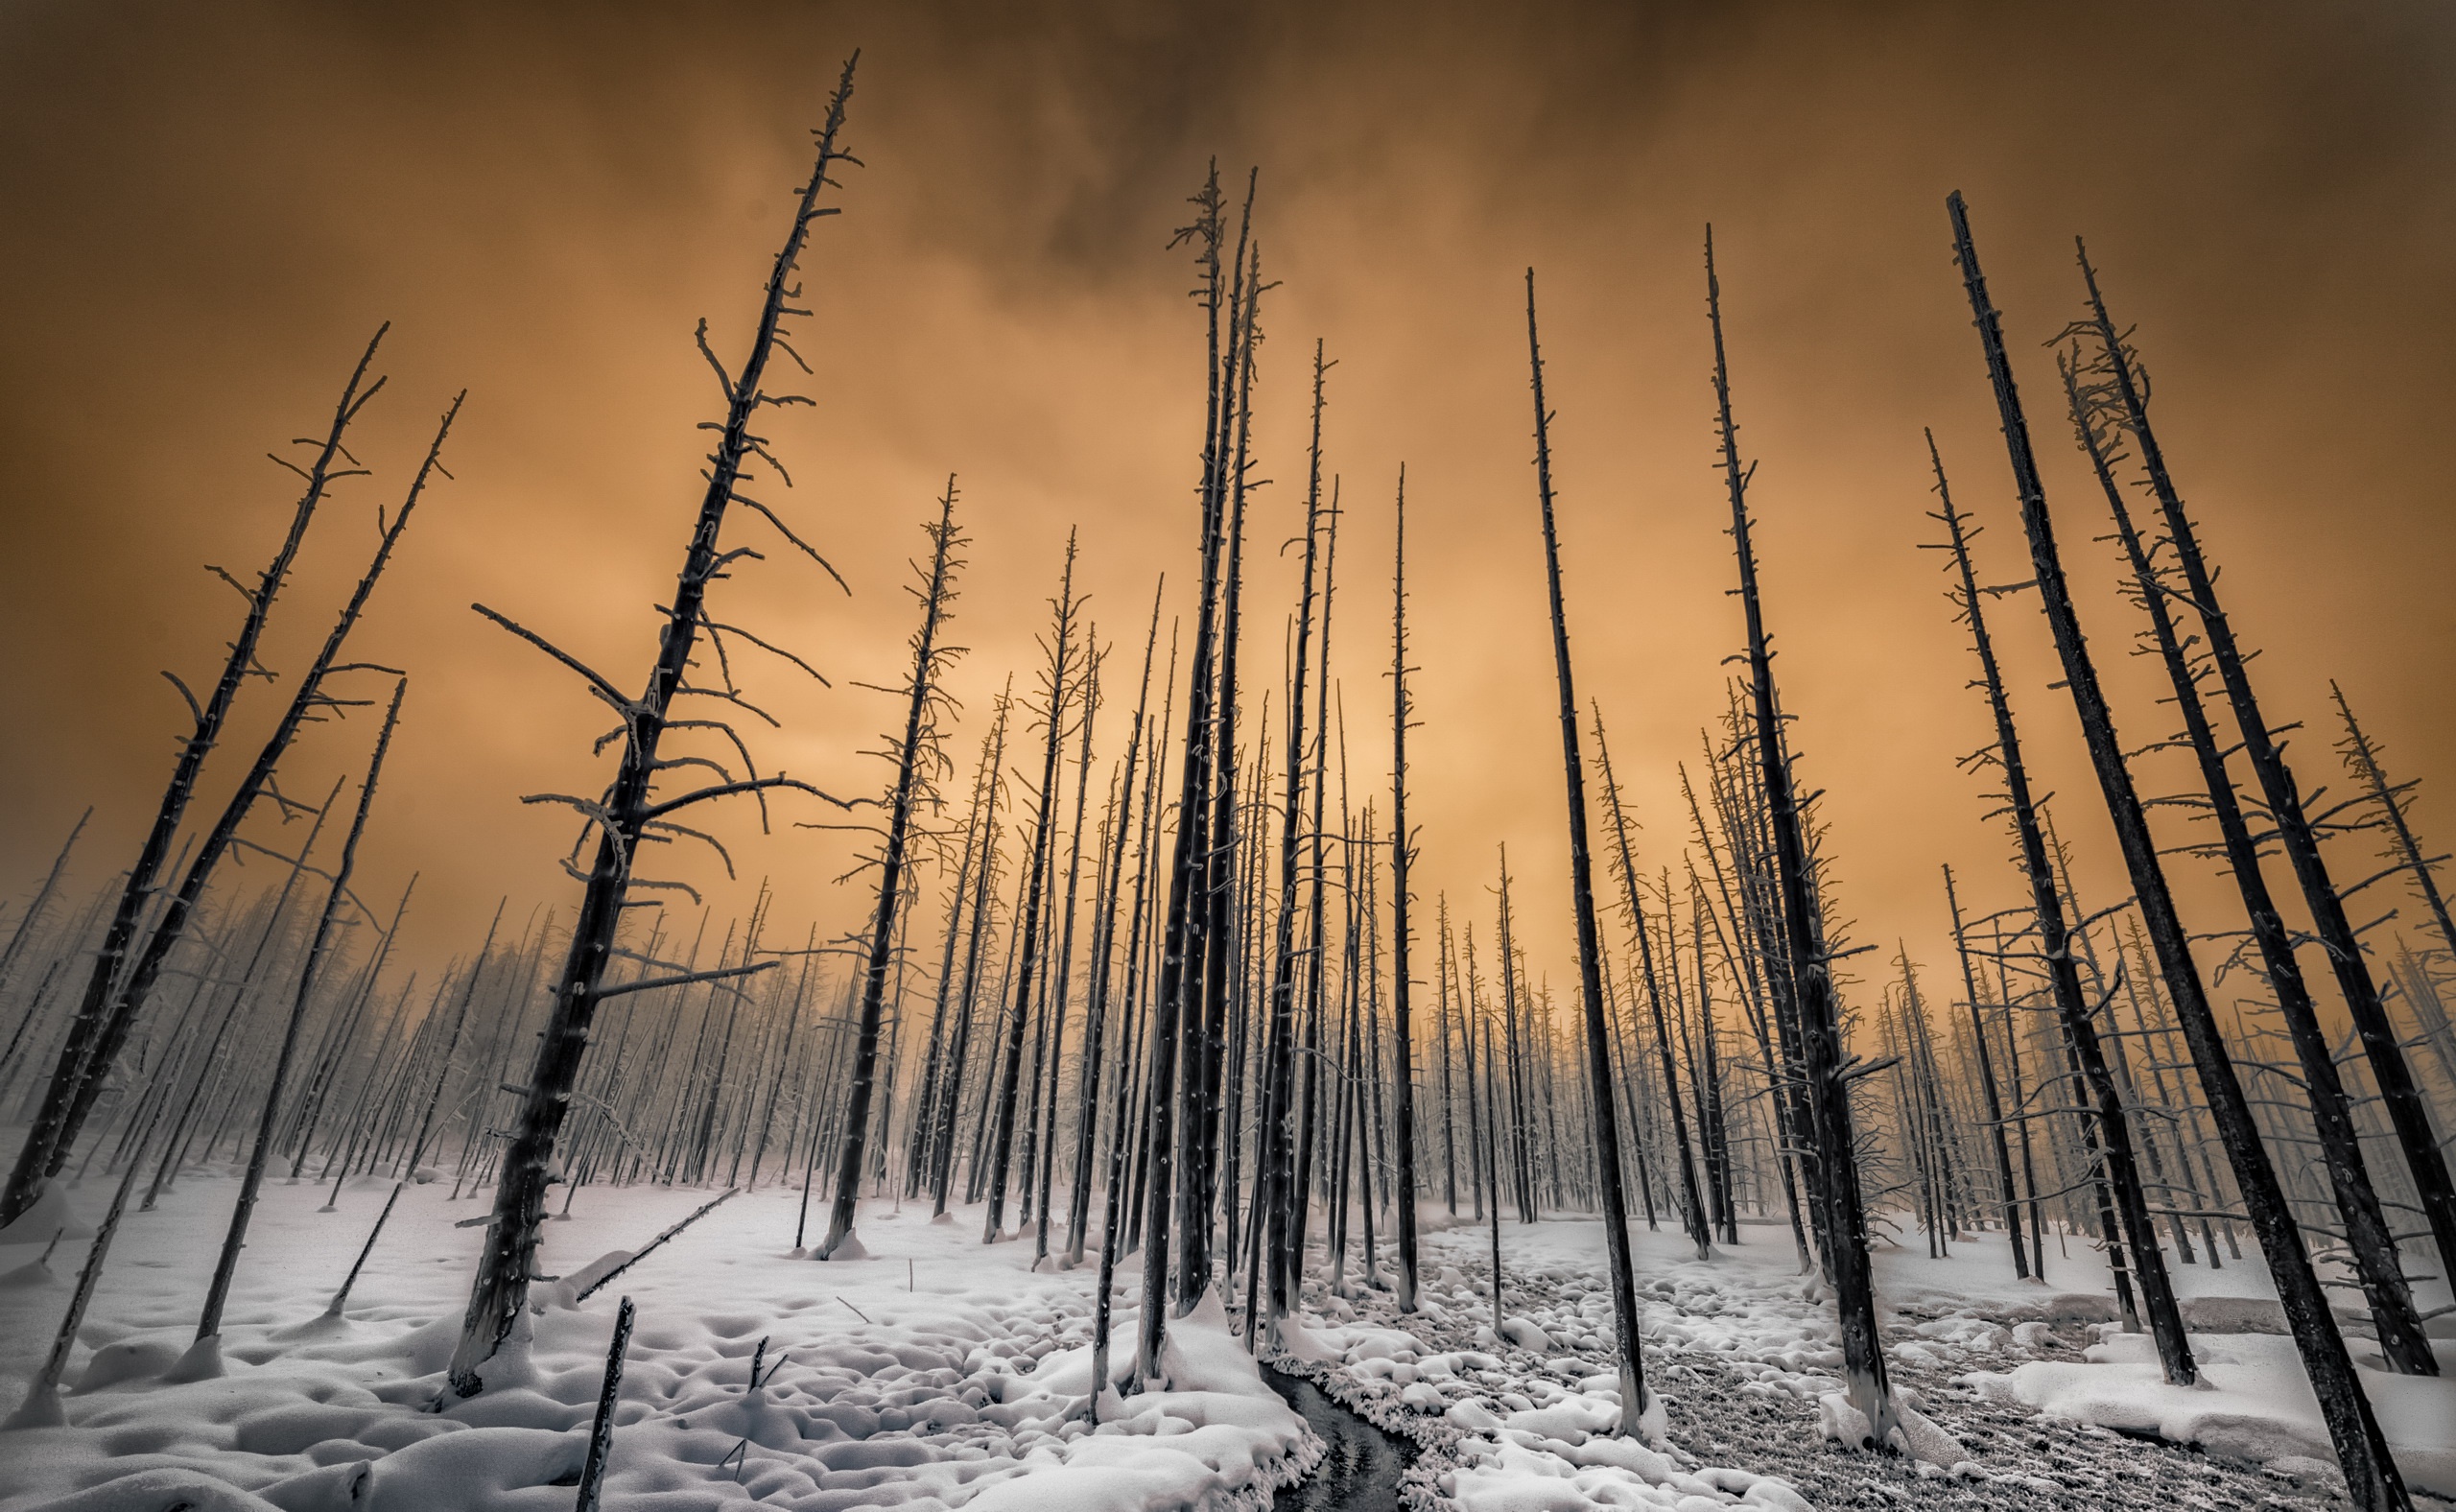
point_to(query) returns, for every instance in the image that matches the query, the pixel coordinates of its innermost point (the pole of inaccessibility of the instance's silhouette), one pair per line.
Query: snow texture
(938, 1374)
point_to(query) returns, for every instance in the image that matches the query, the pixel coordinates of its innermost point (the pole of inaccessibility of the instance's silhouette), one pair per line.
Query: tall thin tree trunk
(1636, 1407)
(2407, 1111)
(917, 762)
(2113, 1129)
(1810, 968)
(2362, 1452)
(509, 1259)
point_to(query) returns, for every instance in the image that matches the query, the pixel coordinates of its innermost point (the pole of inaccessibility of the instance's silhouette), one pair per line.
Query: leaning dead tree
(309, 703)
(1637, 1407)
(204, 1359)
(1808, 965)
(919, 762)
(2362, 758)
(631, 814)
(2408, 1112)
(2362, 1450)
(2368, 1240)
(2139, 1239)
(47, 1140)
(1692, 1209)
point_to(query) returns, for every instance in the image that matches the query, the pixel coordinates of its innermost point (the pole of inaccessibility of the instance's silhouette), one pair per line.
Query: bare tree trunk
(917, 764)
(1809, 966)
(1987, 1077)
(1026, 974)
(1064, 967)
(1693, 1211)
(2367, 1233)
(508, 1262)
(2139, 1233)
(1635, 1405)
(203, 1357)
(2369, 1470)
(1103, 951)
(1182, 940)
(2407, 1111)
(53, 1131)
(1268, 1298)
(1402, 854)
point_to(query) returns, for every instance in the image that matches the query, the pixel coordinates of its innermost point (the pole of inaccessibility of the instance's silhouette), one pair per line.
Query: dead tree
(1635, 1405)
(918, 764)
(1692, 1209)
(1987, 1078)
(1402, 855)
(203, 1357)
(1269, 1298)
(1104, 953)
(1061, 678)
(2113, 1129)
(53, 1131)
(2368, 1237)
(2362, 1452)
(1808, 964)
(2408, 1112)
(309, 703)
(631, 814)
(1065, 965)
(1198, 1181)
(1175, 1010)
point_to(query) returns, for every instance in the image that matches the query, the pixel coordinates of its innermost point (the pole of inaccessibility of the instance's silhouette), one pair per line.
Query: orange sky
(203, 212)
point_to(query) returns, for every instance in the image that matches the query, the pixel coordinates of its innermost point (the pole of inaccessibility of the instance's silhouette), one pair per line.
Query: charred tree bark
(2367, 1233)
(917, 761)
(629, 808)
(2113, 1129)
(2362, 1452)
(1635, 1405)
(1820, 1028)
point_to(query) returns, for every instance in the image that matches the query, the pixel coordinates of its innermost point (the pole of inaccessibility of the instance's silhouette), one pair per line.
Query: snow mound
(2253, 1403)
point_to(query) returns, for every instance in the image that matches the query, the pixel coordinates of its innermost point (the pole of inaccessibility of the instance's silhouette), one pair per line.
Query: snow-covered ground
(2037, 1411)
(940, 1373)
